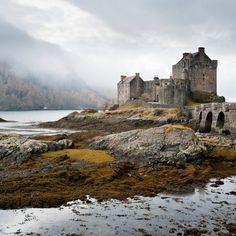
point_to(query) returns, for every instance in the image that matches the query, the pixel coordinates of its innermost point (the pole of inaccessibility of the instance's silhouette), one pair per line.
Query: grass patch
(145, 112)
(228, 154)
(6, 136)
(88, 155)
(129, 105)
(192, 103)
(90, 112)
(170, 128)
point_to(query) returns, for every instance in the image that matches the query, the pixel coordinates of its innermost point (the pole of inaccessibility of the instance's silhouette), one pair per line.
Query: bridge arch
(220, 120)
(200, 117)
(208, 122)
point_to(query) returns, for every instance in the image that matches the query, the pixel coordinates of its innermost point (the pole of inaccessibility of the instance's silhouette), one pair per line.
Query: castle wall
(177, 71)
(123, 92)
(203, 79)
(136, 88)
(180, 91)
(150, 90)
(194, 76)
(166, 92)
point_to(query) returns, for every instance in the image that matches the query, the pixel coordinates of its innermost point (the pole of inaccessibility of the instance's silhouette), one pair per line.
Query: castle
(194, 78)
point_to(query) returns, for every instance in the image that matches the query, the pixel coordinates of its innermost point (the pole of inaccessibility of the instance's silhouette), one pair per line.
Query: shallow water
(22, 119)
(208, 209)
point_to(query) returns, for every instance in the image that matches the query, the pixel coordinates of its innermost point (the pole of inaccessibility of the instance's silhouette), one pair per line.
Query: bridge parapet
(232, 106)
(215, 106)
(218, 117)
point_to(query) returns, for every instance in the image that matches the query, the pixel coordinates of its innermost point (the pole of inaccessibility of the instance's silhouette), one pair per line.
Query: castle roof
(194, 56)
(128, 79)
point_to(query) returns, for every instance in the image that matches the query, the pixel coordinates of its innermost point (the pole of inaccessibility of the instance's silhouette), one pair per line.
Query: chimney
(185, 54)
(137, 74)
(122, 78)
(201, 51)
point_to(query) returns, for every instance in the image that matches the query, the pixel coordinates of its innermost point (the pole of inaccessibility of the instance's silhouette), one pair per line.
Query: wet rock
(219, 182)
(231, 227)
(195, 231)
(62, 158)
(232, 193)
(19, 149)
(172, 230)
(2, 120)
(167, 144)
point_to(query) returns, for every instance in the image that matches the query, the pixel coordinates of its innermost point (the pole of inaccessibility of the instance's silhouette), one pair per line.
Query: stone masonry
(216, 117)
(193, 77)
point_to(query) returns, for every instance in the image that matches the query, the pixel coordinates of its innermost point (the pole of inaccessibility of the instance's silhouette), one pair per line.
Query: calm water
(206, 209)
(21, 119)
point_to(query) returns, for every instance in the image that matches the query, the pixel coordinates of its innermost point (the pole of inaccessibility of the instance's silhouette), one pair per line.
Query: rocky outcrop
(19, 149)
(170, 144)
(119, 120)
(2, 120)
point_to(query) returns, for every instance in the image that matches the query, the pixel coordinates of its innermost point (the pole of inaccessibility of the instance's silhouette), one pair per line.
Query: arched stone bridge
(216, 117)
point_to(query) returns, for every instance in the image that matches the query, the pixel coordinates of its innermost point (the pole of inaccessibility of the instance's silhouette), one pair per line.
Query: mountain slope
(19, 92)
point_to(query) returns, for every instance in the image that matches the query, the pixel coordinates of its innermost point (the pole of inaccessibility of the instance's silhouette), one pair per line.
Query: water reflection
(24, 122)
(164, 214)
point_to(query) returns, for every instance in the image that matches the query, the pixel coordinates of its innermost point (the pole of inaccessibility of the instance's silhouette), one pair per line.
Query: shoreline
(163, 214)
(100, 164)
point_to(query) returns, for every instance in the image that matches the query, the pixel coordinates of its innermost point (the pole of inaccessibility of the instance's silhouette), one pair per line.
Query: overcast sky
(99, 40)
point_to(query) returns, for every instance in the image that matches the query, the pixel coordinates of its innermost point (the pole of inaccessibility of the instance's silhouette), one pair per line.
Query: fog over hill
(29, 92)
(36, 74)
(92, 43)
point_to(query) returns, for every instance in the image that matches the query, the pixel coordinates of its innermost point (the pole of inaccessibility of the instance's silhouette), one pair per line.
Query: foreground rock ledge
(19, 149)
(169, 144)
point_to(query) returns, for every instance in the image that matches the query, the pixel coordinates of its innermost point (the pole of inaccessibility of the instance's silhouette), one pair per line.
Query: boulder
(20, 148)
(2, 120)
(169, 144)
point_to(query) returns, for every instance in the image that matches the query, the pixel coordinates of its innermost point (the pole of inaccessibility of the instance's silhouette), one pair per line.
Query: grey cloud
(30, 56)
(203, 21)
(145, 36)
(168, 28)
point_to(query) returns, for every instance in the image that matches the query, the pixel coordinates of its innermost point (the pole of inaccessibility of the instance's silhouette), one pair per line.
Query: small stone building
(193, 77)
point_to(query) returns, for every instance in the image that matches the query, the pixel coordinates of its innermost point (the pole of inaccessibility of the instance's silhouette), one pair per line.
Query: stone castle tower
(193, 77)
(199, 70)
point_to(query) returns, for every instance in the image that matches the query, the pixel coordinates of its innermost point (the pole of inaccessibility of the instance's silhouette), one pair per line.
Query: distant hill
(19, 92)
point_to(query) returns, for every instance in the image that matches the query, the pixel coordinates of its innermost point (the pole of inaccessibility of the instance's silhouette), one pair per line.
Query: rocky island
(143, 146)
(133, 150)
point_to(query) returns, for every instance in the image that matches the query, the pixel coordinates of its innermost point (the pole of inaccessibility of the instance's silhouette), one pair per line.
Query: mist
(92, 43)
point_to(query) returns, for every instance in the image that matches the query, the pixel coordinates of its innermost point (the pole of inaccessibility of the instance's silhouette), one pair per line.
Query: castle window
(157, 98)
(203, 76)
